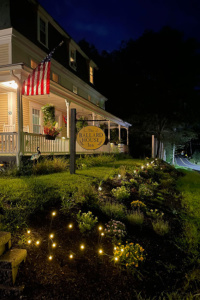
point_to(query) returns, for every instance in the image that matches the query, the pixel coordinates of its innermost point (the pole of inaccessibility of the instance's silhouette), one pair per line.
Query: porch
(59, 146)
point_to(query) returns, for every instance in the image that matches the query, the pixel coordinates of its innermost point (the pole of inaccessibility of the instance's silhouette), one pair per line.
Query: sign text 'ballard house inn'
(91, 137)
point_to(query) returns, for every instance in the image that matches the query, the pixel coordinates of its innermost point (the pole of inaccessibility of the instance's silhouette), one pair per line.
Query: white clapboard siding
(4, 54)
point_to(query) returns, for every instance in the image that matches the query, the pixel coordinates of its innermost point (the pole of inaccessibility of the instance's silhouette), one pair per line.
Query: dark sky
(106, 23)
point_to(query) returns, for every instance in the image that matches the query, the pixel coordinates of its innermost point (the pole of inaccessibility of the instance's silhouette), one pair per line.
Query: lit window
(91, 75)
(75, 90)
(72, 58)
(33, 64)
(42, 31)
(36, 120)
(55, 77)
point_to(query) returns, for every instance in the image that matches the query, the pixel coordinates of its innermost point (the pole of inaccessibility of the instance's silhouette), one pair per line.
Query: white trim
(33, 105)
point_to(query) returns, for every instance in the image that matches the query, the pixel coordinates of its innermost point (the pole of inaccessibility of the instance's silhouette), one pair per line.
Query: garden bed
(143, 198)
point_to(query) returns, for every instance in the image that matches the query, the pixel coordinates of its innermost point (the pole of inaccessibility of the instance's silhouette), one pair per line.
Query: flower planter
(49, 137)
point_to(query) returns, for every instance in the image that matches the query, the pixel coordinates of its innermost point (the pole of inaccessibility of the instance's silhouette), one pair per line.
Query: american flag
(38, 82)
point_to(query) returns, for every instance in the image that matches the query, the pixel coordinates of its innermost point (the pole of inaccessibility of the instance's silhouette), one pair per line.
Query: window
(33, 64)
(42, 31)
(55, 77)
(36, 120)
(75, 90)
(91, 75)
(72, 58)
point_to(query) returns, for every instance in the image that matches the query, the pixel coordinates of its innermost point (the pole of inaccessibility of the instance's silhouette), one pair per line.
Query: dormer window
(42, 31)
(72, 58)
(91, 75)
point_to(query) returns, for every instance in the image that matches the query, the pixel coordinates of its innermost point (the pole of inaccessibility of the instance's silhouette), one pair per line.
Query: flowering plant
(121, 193)
(137, 204)
(52, 130)
(129, 256)
(116, 230)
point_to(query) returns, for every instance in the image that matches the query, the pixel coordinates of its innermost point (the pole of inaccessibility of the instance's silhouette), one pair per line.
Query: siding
(4, 54)
(3, 110)
(25, 112)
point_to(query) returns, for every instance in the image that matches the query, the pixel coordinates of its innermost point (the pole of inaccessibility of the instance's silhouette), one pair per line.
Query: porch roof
(58, 95)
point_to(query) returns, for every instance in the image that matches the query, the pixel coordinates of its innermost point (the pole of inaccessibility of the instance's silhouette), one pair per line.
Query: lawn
(147, 247)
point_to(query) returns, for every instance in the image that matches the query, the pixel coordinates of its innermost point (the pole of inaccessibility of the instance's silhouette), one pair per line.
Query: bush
(116, 230)
(113, 210)
(47, 166)
(129, 256)
(121, 193)
(135, 218)
(160, 227)
(89, 161)
(145, 191)
(86, 221)
(86, 195)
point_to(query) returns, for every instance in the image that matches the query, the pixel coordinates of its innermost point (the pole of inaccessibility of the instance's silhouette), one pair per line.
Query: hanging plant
(51, 129)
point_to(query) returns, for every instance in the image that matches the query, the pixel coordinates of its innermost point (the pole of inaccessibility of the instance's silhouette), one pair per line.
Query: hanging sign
(91, 137)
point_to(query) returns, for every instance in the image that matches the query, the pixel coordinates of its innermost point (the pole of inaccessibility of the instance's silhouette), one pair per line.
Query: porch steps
(10, 260)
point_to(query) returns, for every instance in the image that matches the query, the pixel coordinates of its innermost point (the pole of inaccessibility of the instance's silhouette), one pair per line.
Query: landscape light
(28, 231)
(100, 228)
(82, 247)
(71, 256)
(53, 245)
(53, 214)
(29, 242)
(70, 226)
(116, 258)
(51, 236)
(50, 257)
(100, 188)
(37, 243)
(119, 176)
(100, 251)
(102, 234)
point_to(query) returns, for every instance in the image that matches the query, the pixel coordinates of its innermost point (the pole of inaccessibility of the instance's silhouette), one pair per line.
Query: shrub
(88, 161)
(121, 193)
(47, 166)
(86, 195)
(67, 203)
(160, 227)
(114, 210)
(154, 213)
(86, 221)
(145, 191)
(137, 204)
(135, 218)
(129, 256)
(116, 230)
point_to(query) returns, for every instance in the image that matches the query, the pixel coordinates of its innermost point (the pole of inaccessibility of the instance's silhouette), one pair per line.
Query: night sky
(106, 23)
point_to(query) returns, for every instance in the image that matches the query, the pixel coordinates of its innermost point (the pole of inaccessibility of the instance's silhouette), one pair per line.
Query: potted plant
(51, 129)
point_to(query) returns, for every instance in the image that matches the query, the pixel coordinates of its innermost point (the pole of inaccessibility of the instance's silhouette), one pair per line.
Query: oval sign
(91, 137)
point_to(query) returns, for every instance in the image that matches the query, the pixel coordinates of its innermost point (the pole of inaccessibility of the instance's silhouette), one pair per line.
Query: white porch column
(119, 127)
(93, 118)
(153, 147)
(109, 131)
(67, 106)
(127, 138)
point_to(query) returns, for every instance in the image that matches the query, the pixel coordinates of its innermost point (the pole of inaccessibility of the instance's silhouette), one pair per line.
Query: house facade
(27, 34)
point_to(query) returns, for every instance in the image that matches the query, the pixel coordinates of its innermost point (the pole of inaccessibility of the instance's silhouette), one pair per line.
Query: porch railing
(32, 141)
(8, 145)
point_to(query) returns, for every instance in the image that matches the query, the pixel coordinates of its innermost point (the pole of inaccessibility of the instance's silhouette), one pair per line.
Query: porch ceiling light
(11, 84)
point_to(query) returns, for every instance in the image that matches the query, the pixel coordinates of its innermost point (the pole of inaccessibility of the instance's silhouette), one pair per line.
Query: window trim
(91, 74)
(36, 106)
(72, 61)
(39, 16)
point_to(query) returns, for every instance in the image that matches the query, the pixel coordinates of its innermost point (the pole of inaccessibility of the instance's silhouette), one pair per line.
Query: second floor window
(42, 31)
(91, 75)
(72, 58)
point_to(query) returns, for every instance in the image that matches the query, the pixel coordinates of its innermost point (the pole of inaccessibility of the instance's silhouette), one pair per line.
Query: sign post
(72, 159)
